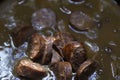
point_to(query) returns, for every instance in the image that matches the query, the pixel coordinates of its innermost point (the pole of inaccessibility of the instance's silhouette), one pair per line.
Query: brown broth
(105, 46)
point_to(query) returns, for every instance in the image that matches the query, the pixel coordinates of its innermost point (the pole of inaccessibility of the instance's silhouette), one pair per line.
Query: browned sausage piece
(75, 53)
(28, 69)
(55, 57)
(81, 21)
(63, 71)
(61, 39)
(43, 18)
(36, 46)
(40, 48)
(46, 59)
(69, 48)
(86, 69)
(21, 34)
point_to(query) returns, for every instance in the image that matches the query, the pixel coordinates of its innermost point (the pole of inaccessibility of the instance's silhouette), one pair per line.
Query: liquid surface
(103, 42)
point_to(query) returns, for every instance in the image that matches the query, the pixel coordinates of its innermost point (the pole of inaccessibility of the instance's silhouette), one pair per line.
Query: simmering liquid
(102, 42)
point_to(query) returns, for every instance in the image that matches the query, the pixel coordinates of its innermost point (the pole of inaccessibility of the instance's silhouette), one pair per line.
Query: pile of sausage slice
(61, 53)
